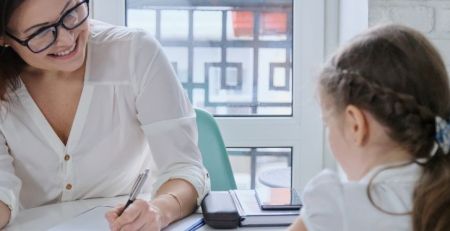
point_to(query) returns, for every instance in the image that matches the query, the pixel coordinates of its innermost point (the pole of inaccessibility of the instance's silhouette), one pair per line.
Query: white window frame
(304, 131)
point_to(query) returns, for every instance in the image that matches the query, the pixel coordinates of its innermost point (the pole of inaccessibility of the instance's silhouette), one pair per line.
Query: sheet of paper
(93, 219)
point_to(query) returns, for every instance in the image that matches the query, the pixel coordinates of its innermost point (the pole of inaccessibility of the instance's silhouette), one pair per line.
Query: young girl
(385, 100)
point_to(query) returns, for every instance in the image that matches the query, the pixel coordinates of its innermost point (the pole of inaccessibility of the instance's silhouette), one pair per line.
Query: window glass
(233, 57)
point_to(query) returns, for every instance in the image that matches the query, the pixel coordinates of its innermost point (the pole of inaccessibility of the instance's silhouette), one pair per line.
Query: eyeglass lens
(70, 21)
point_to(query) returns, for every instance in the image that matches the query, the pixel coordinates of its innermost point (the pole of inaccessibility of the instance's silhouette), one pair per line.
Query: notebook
(94, 219)
(252, 215)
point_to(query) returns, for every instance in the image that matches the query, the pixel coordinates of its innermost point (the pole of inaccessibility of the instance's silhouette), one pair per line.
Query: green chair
(214, 154)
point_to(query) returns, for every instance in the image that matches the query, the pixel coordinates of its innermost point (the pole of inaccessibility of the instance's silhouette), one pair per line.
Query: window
(250, 63)
(232, 58)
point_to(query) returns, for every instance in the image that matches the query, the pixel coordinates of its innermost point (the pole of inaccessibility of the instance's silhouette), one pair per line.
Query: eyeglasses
(46, 36)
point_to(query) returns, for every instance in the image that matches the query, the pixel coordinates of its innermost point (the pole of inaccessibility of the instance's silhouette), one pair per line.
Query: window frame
(303, 131)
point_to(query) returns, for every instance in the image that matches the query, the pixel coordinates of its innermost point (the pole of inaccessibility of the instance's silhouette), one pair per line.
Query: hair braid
(414, 122)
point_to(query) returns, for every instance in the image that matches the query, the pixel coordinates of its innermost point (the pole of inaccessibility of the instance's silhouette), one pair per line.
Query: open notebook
(94, 219)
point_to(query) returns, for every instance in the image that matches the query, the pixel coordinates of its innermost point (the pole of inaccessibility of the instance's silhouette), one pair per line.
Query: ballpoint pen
(136, 189)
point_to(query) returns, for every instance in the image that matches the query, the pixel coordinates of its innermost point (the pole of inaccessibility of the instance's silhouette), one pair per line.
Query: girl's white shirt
(332, 203)
(133, 114)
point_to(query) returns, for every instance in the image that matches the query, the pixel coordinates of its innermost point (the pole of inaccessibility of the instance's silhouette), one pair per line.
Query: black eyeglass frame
(55, 25)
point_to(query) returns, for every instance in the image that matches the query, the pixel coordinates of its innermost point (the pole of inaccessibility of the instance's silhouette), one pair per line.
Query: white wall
(332, 20)
(431, 17)
(109, 11)
(353, 18)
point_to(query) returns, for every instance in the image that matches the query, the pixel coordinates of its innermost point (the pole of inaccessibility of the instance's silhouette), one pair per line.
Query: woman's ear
(357, 124)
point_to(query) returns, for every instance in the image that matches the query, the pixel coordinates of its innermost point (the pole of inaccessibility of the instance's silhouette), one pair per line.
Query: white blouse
(133, 114)
(334, 204)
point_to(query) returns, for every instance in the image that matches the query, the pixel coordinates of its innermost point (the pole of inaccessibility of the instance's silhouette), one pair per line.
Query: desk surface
(45, 217)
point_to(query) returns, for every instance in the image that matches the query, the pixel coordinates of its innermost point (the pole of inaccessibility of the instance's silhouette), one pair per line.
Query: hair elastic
(442, 135)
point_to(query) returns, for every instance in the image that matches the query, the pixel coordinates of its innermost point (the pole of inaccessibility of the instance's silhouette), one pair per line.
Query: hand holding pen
(136, 189)
(142, 215)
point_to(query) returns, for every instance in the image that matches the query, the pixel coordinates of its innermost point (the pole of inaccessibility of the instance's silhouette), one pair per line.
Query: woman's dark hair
(394, 73)
(11, 64)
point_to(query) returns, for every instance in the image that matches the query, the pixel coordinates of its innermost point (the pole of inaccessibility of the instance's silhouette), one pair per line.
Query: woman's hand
(5, 215)
(140, 215)
(174, 200)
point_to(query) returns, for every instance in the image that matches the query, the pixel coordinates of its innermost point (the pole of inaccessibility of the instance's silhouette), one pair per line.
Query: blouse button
(68, 186)
(66, 157)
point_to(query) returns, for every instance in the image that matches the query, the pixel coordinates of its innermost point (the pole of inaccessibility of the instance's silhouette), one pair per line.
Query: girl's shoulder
(324, 179)
(401, 178)
(326, 189)
(323, 202)
(333, 203)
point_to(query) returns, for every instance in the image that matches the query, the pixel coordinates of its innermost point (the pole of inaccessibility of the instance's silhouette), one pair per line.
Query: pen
(136, 189)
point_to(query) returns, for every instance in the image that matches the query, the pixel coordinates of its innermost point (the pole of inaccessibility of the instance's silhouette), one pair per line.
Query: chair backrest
(214, 153)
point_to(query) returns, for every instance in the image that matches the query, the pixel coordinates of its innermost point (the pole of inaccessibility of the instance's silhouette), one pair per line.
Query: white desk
(45, 217)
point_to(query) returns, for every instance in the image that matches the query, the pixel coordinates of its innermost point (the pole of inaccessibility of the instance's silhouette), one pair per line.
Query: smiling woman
(39, 42)
(82, 115)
